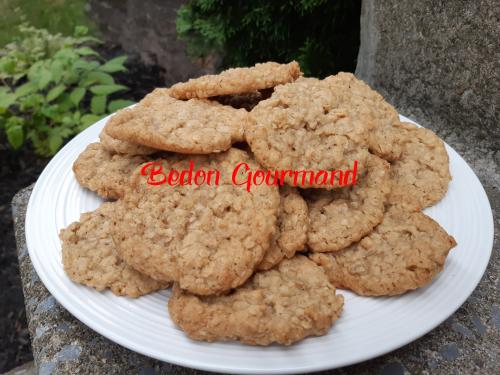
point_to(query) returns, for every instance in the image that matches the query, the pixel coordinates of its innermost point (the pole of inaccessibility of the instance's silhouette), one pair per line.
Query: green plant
(322, 35)
(56, 16)
(53, 87)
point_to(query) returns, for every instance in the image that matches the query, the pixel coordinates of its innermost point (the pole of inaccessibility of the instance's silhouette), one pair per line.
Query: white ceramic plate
(367, 328)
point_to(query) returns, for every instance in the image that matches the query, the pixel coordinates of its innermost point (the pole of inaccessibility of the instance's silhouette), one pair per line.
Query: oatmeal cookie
(282, 305)
(118, 146)
(403, 253)
(190, 127)
(106, 173)
(343, 216)
(238, 80)
(364, 99)
(291, 235)
(207, 238)
(89, 256)
(306, 125)
(421, 175)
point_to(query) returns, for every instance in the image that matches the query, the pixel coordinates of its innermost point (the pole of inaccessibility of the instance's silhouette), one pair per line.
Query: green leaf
(57, 70)
(85, 65)
(51, 112)
(98, 104)
(66, 54)
(66, 132)
(35, 70)
(76, 116)
(44, 78)
(87, 120)
(55, 142)
(31, 103)
(114, 65)
(86, 51)
(80, 30)
(25, 89)
(8, 65)
(15, 136)
(64, 103)
(77, 95)
(97, 77)
(115, 105)
(89, 39)
(55, 92)
(106, 89)
(6, 100)
(67, 121)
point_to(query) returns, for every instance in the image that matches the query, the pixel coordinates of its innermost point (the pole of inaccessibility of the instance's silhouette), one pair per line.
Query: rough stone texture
(439, 62)
(147, 28)
(26, 369)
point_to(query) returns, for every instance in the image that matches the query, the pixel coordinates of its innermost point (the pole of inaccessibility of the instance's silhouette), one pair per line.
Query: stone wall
(147, 28)
(439, 63)
(436, 60)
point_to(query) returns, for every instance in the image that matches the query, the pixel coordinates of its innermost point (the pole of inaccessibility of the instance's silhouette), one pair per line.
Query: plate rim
(58, 293)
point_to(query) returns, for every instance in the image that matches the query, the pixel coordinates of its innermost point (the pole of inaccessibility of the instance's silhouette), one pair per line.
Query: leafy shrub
(54, 86)
(56, 16)
(322, 35)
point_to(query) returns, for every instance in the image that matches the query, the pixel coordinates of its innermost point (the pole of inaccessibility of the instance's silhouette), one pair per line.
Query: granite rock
(438, 61)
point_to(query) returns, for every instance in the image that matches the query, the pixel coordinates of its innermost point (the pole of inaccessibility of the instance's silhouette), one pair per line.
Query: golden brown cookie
(343, 216)
(237, 81)
(191, 127)
(89, 256)
(118, 146)
(366, 100)
(421, 175)
(208, 238)
(282, 305)
(106, 173)
(291, 235)
(403, 253)
(307, 125)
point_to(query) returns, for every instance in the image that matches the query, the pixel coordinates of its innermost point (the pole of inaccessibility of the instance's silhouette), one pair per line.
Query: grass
(57, 16)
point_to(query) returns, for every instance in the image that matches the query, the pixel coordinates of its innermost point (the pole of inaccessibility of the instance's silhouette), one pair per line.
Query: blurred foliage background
(322, 35)
(56, 16)
(54, 86)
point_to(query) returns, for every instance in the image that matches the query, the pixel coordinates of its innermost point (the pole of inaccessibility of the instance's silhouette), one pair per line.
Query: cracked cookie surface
(195, 126)
(207, 238)
(237, 80)
(103, 172)
(404, 252)
(89, 256)
(343, 216)
(308, 125)
(123, 147)
(420, 176)
(291, 235)
(364, 99)
(282, 305)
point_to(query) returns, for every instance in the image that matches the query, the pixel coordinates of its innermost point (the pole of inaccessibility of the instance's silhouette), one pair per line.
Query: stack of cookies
(260, 266)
